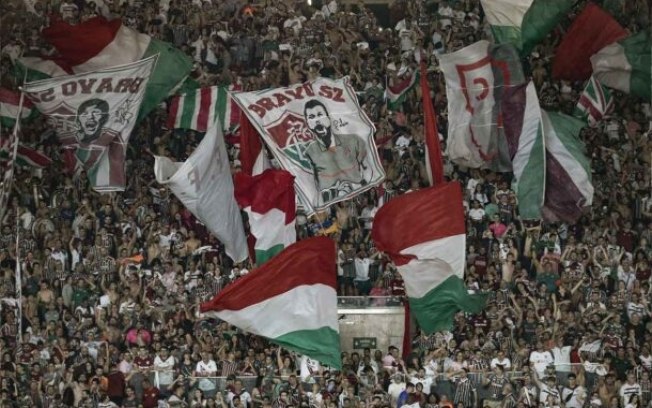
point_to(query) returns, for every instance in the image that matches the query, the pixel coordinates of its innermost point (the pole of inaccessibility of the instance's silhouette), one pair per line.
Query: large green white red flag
(10, 109)
(203, 183)
(476, 78)
(318, 132)
(98, 43)
(94, 113)
(198, 109)
(291, 300)
(429, 252)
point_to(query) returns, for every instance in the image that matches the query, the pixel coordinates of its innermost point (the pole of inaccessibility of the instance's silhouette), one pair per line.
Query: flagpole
(19, 283)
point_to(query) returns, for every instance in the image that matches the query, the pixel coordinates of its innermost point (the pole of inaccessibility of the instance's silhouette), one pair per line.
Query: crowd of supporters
(111, 283)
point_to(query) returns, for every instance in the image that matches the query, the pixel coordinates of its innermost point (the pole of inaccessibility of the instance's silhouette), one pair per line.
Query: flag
(524, 131)
(98, 43)
(569, 191)
(204, 185)
(595, 102)
(524, 23)
(28, 157)
(476, 78)
(270, 202)
(8, 147)
(429, 252)
(94, 113)
(291, 300)
(397, 93)
(626, 65)
(253, 156)
(9, 108)
(319, 133)
(591, 31)
(434, 162)
(198, 109)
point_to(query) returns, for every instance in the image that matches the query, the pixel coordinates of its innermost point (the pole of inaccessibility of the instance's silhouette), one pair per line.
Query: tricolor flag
(595, 102)
(591, 31)
(291, 300)
(198, 109)
(626, 65)
(270, 203)
(524, 132)
(524, 23)
(203, 183)
(10, 107)
(429, 252)
(569, 191)
(98, 43)
(397, 92)
(28, 157)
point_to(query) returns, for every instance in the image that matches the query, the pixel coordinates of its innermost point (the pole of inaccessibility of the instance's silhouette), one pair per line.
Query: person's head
(318, 119)
(92, 115)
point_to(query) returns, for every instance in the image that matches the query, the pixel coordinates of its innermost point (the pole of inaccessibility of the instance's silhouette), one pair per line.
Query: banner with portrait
(94, 114)
(318, 132)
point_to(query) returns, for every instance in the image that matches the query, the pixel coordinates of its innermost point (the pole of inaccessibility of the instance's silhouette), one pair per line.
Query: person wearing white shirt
(206, 367)
(423, 379)
(164, 365)
(629, 388)
(501, 360)
(330, 8)
(308, 368)
(540, 359)
(361, 281)
(561, 355)
(575, 394)
(241, 392)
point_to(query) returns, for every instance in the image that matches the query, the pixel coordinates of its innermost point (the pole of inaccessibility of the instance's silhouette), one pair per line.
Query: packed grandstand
(111, 284)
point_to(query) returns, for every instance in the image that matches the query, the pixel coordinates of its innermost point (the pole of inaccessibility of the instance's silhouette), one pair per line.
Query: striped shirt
(546, 391)
(228, 367)
(496, 384)
(464, 391)
(627, 390)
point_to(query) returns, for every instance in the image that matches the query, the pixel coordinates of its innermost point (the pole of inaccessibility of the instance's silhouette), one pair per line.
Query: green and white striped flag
(594, 103)
(396, 94)
(198, 109)
(10, 108)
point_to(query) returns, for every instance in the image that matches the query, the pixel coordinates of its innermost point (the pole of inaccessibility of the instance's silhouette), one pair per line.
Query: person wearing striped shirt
(495, 382)
(465, 392)
(629, 388)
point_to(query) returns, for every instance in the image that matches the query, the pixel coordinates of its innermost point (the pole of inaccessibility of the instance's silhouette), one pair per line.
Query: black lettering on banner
(69, 88)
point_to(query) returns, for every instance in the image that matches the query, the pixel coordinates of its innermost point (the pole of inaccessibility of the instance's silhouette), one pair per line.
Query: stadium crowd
(111, 283)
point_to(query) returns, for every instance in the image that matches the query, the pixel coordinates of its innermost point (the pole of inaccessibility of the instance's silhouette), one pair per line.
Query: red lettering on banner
(485, 88)
(105, 86)
(266, 103)
(260, 111)
(295, 93)
(69, 88)
(123, 85)
(135, 85)
(48, 96)
(86, 85)
(281, 99)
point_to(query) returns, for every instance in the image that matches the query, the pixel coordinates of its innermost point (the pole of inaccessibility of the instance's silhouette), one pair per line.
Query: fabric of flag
(98, 43)
(270, 203)
(626, 65)
(10, 108)
(94, 113)
(397, 93)
(198, 109)
(524, 131)
(29, 157)
(434, 162)
(203, 183)
(524, 23)
(291, 300)
(476, 78)
(595, 102)
(591, 31)
(7, 159)
(569, 191)
(429, 252)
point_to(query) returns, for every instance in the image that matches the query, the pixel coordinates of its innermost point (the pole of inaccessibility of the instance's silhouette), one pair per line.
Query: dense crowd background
(111, 283)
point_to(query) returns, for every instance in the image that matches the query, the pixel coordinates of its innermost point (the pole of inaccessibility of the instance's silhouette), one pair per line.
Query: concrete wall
(384, 323)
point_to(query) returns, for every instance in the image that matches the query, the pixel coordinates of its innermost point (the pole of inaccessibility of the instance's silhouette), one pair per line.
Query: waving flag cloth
(476, 78)
(10, 109)
(198, 109)
(28, 157)
(429, 252)
(626, 65)
(94, 114)
(318, 132)
(569, 191)
(591, 31)
(204, 185)
(270, 202)
(524, 23)
(98, 43)
(595, 102)
(291, 300)
(524, 130)
(397, 93)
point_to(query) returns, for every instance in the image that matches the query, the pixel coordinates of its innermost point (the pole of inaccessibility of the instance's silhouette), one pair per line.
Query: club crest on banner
(318, 132)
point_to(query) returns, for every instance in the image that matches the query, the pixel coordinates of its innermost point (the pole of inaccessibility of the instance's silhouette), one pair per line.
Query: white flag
(204, 185)
(476, 78)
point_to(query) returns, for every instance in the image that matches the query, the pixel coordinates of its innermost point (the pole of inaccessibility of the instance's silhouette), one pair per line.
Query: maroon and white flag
(94, 113)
